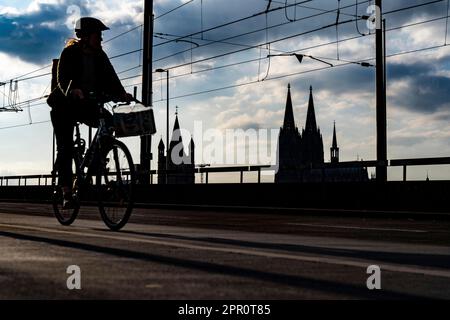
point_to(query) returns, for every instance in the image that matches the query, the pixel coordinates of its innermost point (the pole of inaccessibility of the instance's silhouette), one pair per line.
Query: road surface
(189, 254)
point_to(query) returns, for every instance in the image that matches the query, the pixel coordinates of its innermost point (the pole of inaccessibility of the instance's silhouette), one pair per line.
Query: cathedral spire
(311, 124)
(177, 139)
(176, 136)
(334, 136)
(161, 145)
(334, 148)
(289, 122)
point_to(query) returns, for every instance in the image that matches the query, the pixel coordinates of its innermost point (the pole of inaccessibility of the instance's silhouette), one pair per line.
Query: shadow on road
(418, 259)
(288, 280)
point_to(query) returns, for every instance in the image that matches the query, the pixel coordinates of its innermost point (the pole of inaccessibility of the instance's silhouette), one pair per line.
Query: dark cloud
(188, 20)
(352, 78)
(26, 37)
(29, 38)
(397, 18)
(426, 92)
(39, 36)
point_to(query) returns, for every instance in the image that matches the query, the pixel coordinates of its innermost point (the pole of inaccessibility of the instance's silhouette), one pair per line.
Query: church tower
(161, 163)
(301, 157)
(334, 150)
(176, 149)
(288, 153)
(181, 166)
(312, 142)
(192, 151)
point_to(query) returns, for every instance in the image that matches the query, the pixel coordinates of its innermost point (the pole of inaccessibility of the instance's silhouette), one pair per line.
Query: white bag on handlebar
(137, 120)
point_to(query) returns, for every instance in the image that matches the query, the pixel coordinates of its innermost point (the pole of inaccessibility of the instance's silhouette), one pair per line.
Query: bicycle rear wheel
(115, 182)
(64, 216)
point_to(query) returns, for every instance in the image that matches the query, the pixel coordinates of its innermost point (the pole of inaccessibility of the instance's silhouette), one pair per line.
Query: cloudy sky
(33, 32)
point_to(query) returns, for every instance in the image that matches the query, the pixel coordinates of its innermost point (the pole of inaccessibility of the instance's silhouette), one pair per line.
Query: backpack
(56, 97)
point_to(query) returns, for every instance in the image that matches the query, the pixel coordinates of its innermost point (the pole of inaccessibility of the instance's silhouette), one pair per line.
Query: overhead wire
(141, 25)
(243, 34)
(338, 15)
(122, 34)
(356, 22)
(174, 9)
(446, 22)
(285, 23)
(24, 75)
(257, 45)
(302, 72)
(232, 22)
(139, 50)
(265, 29)
(256, 81)
(248, 47)
(286, 13)
(306, 48)
(316, 46)
(393, 11)
(104, 42)
(317, 9)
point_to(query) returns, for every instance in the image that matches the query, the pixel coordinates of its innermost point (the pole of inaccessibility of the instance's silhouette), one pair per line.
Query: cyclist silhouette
(84, 71)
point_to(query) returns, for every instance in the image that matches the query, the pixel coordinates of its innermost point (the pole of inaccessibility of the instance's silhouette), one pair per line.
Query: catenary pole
(146, 141)
(381, 170)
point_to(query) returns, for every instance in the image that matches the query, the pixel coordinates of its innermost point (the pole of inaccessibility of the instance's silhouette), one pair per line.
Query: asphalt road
(188, 254)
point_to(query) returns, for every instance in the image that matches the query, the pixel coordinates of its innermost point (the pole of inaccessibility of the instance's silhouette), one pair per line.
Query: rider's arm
(112, 84)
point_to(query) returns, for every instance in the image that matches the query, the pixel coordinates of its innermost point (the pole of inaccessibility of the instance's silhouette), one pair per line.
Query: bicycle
(110, 162)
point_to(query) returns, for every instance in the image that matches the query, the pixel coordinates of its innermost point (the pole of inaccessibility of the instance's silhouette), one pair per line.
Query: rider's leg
(63, 126)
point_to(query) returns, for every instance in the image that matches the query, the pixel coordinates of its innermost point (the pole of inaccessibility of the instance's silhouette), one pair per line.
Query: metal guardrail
(45, 180)
(240, 169)
(405, 163)
(418, 162)
(23, 180)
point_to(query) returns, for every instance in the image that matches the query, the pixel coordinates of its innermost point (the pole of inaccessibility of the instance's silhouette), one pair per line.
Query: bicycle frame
(84, 162)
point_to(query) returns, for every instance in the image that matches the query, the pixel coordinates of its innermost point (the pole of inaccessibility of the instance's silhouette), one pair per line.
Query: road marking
(357, 228)
(153, 286)
(334, 261)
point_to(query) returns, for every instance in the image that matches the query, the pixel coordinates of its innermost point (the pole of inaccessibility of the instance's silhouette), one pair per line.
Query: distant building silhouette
(334, 150)
(301, 156)
(181, 166)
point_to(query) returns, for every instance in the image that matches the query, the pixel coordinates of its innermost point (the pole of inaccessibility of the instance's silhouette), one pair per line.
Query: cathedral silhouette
(301, 155)
(180, 165)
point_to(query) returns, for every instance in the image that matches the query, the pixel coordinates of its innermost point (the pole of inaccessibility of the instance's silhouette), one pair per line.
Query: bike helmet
(88, 25)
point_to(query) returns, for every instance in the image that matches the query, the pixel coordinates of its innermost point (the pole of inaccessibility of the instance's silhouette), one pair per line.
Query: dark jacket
(69, 74)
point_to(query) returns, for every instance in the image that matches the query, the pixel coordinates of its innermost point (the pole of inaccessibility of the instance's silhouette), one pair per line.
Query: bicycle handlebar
(103, 98)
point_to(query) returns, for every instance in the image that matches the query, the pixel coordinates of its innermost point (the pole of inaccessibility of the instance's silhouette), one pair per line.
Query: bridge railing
(42, 180)
(405, 163)
(45, 179)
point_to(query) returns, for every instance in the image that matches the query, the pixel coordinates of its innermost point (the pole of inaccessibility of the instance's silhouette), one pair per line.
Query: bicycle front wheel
(115, 181)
